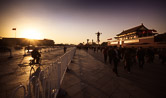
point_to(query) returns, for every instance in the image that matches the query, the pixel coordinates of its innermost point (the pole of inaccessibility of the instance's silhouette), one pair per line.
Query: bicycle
(32, 62)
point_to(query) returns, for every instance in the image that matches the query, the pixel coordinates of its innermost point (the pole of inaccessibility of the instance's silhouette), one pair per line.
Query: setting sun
(31, 34)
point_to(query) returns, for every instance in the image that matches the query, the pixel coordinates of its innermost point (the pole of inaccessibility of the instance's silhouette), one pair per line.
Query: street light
(87, 41)
(98, 37)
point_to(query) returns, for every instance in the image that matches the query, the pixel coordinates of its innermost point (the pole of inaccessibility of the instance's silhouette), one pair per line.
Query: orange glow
(31, 34)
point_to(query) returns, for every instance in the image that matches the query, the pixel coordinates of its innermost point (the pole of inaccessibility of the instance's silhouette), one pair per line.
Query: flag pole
(15, 31)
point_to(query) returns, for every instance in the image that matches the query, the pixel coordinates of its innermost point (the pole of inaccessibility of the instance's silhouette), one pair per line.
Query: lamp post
(98, 37)
(87, 41)
(29, 45)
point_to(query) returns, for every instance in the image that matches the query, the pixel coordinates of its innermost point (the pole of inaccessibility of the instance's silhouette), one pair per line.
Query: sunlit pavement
(89, 77)
(16, 70)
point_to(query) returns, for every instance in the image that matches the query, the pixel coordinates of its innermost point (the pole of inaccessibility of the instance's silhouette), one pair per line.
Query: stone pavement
(16, 71)
(91, 78)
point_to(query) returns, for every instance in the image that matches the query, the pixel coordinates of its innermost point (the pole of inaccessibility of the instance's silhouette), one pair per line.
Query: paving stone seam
(110, 69)
(86, 81)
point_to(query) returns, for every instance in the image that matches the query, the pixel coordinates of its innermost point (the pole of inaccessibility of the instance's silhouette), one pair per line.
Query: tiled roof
(132, 29)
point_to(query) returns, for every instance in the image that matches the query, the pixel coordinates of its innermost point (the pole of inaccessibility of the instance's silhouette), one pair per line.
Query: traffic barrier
(46, 83)
(19, 87)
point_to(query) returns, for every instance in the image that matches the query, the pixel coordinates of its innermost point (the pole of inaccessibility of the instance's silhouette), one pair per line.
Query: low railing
(46, 83)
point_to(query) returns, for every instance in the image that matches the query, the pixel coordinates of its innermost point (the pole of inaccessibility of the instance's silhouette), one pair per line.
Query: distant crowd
(129, 56)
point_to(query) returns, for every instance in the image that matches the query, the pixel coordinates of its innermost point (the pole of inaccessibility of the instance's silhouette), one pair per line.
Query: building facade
(25, 42)
(139, 36)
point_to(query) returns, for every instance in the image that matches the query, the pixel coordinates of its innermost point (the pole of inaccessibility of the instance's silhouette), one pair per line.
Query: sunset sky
(75, 21)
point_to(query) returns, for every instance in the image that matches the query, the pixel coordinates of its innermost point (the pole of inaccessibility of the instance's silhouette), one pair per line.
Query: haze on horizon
(75, 21)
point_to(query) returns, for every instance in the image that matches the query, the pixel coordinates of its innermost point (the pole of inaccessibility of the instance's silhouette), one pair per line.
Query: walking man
(115, 60)
(140, 57)
(105, 52)
(36, 56)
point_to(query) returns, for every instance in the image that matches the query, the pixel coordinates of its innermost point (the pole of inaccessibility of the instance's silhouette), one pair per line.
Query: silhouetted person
(160, 53)
(65, 48)
(128, 59)
(28, 48)
(163, 57)
(101, 49)
(94, 49)
(150, 54)
(133, 52)
(87, 48)
(105, 52)
(140, 56)
(110, 54)
(98, 48)
(120, 52)
(115, 60)
(36, 55)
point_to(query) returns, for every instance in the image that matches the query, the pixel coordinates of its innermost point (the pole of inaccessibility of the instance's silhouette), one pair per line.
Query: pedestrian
(134, 54)
(36, 56)
(115, 60)
(105, 52)
(87, 48)
(150, 54)
(163, 56)
(65, 48)
(140, 57)
(160, 53)
(94, 49)
(128, 59)
(110, 54)
(101, 48)
(120, 52)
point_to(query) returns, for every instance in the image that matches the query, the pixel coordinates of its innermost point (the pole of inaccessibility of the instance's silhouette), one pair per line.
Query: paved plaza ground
(90, 77)
(16, 70)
